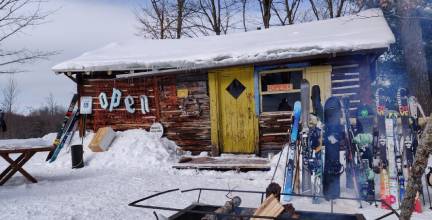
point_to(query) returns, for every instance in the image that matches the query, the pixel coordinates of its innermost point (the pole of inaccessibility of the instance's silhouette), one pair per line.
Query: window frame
(261, 93)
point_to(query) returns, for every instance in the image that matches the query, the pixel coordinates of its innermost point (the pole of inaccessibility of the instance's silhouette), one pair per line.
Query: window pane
(279, 102)
(292, 77)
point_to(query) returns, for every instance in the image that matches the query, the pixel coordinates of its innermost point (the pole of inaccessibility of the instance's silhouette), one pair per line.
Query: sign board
(157, 129)
(279, 87)
(182, 93)
(86, 105)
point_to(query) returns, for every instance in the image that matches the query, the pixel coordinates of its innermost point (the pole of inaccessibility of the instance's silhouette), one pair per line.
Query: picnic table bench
(26, 153)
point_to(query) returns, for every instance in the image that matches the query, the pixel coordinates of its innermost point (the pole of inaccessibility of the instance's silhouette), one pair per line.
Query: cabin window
(280, 89)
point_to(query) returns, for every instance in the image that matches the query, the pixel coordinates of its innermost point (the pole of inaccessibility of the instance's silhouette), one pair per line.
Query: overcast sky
(77, 26)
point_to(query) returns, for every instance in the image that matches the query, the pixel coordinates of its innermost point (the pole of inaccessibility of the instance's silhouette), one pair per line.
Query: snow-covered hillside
(136, 165)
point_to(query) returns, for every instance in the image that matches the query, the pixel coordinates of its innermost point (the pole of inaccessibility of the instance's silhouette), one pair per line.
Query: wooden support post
(420, 162)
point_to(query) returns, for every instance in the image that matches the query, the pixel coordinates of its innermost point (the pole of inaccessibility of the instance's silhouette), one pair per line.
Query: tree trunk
(424, 149)
(180, 10)
(266, 12)
(414, 53)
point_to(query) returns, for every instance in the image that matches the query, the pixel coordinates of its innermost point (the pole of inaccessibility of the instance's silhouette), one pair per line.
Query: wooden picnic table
(26, 153)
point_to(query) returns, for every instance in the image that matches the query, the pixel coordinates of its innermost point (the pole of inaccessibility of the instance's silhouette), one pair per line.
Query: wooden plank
(214, 110)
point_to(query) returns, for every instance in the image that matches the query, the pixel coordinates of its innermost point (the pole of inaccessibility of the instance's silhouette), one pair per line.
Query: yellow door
(235, 118)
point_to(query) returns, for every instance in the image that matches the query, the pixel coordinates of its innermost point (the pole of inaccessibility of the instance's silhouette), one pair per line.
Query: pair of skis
(66, 129)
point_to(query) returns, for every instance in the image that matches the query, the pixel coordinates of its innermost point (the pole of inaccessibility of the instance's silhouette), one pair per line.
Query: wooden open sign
(279, 87)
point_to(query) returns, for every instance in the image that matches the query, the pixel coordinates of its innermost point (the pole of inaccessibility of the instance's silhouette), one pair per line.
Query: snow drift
(135, 148)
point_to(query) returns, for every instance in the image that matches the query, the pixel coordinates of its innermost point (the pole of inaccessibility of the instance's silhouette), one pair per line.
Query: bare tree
(155, 20)
(10, 95)
(286, 10)
(214, 16)
(324, 9)
(15, 17)
(51, 104)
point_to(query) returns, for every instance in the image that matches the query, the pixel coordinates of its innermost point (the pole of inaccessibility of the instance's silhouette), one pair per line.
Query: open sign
(128, 100)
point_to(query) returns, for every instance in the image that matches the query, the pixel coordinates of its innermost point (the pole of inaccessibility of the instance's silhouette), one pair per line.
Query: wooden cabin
(232, 93)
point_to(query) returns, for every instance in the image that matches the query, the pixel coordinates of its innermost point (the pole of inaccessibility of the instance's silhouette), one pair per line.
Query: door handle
(250, 112)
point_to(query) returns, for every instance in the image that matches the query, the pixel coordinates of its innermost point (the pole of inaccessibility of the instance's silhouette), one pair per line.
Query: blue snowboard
(289, 168)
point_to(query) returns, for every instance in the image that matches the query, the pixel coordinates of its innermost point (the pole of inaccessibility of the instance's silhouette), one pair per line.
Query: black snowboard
(333, 134)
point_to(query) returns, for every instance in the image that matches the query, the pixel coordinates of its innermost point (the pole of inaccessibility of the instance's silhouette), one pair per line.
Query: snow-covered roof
(363, 31)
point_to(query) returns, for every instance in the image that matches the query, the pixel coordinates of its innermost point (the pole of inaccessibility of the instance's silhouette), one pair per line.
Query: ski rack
(200, 190)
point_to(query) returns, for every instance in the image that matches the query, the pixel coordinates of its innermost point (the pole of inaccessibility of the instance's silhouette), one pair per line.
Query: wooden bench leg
(16, 166)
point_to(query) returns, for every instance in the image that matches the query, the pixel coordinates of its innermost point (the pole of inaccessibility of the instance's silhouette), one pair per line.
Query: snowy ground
(137, 165)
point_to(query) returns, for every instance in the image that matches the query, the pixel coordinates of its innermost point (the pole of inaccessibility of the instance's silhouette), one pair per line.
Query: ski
(68, 132)
(291, 155)
(305, 147)
(351, 151)
(392, 155)
(315, 164)
(406, 140)
(64, 123)
(332, 137)
(381, 100)
(364, 141)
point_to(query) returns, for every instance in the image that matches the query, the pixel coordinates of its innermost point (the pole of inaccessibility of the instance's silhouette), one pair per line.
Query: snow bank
(135, 148)
(363, 31)
(44, 141)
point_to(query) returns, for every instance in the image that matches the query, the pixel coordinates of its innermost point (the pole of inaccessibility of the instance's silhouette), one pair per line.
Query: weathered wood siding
(346, 82)
(186, 120)
(273, 131)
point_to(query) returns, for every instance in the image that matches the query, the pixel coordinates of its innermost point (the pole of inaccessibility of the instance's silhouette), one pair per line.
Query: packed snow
(137, 165)
(363, 31)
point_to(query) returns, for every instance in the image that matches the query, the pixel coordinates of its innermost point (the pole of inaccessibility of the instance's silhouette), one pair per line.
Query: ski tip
(297, 106)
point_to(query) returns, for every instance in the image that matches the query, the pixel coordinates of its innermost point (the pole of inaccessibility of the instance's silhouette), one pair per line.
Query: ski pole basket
(198, 210)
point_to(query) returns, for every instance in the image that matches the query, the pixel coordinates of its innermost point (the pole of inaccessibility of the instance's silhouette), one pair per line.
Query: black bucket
(77, 156)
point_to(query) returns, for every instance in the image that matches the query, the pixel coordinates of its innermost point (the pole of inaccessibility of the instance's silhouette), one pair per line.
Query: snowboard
(68, 132)
(317, 107)
(291, 156)
(332, 138)
(306, 185)
(66, 119)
